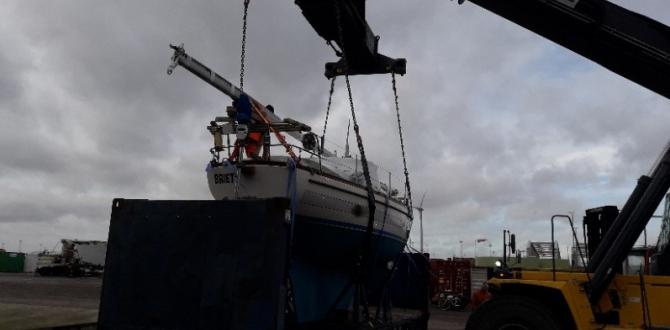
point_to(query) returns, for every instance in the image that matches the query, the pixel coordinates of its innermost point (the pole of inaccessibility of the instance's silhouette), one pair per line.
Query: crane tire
(507, 312)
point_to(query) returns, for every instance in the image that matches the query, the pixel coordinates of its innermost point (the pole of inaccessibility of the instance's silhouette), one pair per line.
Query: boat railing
(385, 187)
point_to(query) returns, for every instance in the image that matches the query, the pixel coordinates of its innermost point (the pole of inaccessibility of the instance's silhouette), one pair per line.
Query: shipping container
(450, 275)
(11, 262)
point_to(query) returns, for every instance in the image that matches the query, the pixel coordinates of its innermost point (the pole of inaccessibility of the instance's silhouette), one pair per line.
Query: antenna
(420, 209)
(346, 147)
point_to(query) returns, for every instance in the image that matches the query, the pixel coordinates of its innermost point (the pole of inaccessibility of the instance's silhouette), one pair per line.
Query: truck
(76, 258)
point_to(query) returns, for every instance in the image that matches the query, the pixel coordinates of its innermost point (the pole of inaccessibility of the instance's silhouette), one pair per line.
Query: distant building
(576, 257)
(527, 263)
(542, 250)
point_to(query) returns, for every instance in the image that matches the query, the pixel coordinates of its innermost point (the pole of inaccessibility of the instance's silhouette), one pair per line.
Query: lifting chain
(244, 43)
(359, 140)
(360, 295)
(402, 148)
(325, 124)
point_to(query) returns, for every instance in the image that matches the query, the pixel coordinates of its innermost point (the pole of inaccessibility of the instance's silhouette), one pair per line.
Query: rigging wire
(244, 43)
(330, 100)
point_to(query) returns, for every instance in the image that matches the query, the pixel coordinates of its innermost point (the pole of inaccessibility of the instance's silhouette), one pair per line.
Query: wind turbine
(420, 209)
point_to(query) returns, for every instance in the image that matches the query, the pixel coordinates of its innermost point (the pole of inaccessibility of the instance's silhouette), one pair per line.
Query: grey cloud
(88, 113)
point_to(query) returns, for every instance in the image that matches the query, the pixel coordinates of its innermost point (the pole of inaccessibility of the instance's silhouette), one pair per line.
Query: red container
(450, 275)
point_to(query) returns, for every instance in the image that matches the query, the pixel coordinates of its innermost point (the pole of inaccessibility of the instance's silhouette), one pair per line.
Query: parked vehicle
(77, 258)
(450, 301)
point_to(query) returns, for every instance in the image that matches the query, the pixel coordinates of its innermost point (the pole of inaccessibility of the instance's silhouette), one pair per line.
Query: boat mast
(180, 57)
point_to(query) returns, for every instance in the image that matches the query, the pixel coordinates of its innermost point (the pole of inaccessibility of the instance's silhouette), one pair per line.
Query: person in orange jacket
(253, 144)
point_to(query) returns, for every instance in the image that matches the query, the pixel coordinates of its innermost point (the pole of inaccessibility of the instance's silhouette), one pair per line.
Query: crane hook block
(353, 36)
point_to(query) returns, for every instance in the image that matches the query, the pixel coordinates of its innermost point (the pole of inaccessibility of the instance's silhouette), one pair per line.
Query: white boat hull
(328, 233)
(318, 196)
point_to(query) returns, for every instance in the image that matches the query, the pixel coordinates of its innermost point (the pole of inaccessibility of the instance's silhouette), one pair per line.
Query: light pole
(509, 240)
(420, 209)
(461, 248)
(479, 240)
(505, 233)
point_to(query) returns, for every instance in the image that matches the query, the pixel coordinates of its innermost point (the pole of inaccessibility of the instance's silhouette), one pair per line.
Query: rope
(330, 100)
(402, 148)
(279, 136)
(291, 192)
(291, 188)
(244, 43)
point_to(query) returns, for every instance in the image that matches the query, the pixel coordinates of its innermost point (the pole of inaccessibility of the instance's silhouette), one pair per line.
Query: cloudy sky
(503, 128)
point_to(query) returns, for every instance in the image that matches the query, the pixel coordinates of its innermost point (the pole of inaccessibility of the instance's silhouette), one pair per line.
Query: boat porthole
(357, 210)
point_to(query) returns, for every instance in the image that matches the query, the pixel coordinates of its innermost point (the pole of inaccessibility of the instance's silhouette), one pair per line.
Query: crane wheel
(507, 312)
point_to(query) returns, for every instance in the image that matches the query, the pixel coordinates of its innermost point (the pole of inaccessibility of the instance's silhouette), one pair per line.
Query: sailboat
(327, 192)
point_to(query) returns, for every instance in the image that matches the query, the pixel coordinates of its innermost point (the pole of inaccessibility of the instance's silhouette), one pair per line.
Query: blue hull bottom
(323, 260)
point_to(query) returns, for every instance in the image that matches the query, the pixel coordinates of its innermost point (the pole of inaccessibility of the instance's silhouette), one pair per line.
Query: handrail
(553, 245)
(317, 155)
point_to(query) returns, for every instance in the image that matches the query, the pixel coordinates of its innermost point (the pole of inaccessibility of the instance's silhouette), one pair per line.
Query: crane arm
(351, 32)
(629, 44)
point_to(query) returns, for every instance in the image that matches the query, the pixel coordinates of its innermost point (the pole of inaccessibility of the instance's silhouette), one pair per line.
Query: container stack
(450, 275)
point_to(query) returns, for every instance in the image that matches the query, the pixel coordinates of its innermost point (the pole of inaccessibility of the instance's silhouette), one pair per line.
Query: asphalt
(29, 302)
(447, 320)
(33, 302)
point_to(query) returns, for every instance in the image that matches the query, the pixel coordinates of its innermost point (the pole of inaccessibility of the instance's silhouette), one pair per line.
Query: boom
(633, 222)
(226, 87)
(629, 44)
(214, 79)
